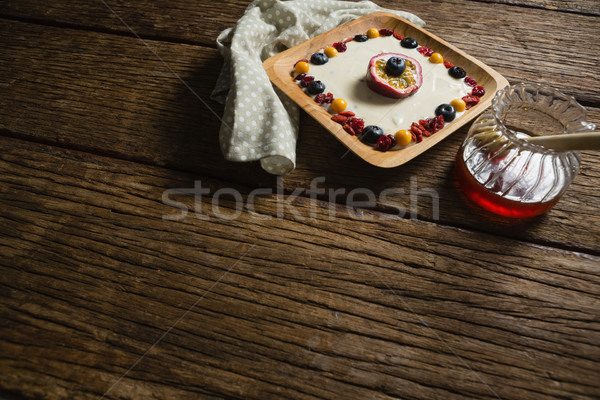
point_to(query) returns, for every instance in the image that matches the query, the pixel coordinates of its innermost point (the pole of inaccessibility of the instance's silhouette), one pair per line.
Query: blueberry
(447, 111)
(361, 38)
(371, 134)
(395, 66)
(409, 43)
(316, 87)
(457, 72)
(319, 58)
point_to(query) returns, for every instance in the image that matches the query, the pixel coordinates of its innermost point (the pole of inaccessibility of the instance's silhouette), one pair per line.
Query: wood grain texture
(292, 307)
(111, 95)
(528, 48)
(591, 7)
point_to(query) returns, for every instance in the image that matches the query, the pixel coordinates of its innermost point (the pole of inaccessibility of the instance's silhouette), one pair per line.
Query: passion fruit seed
(403, 137)
(316, 87)
(301, 68)
(371, 134)
(373, 33)
(361, 38)
(436, 58)
(459, 105)
(319, 58)
(338, 105)
(446, 111)
(457, 72)
(409, 43)
(395, 66)
(331, 52)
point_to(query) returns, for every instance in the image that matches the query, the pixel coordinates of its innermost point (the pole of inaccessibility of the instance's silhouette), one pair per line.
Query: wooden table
(298, 296)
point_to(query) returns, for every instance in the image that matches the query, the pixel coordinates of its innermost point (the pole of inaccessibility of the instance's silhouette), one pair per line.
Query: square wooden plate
(280, 67)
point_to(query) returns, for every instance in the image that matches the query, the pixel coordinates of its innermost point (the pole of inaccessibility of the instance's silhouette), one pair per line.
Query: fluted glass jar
(500, 170)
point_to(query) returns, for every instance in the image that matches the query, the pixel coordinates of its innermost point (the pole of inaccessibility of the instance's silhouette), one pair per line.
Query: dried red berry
(417, 129)
(340, 46)
(478, 91)
(349, 39)
(436, 123)
(323, 98)
(357, 124)
(386, 32)
(415, 138)
(305, 79)
(417, 132)
(470, 101)
(470, 81)
(384, 143)
(448, 64)
(339, 118)
(349, 129)
(347, 113)
(426, 51)
(398, 36)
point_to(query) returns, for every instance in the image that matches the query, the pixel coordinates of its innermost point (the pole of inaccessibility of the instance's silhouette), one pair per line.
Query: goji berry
(448, 64)
(347, 113)
(339, 118)
(398, 36)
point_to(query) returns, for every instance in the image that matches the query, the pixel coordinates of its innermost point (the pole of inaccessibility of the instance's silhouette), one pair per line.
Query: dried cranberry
(437, 123)
(340, 46)
(478, 91)
(431, 125)
(386, 32)
(470, 81)
(384, 143)
(426, 51)
(470, 101)
(323, 98)
(398, 36)
(357, 124)
(305, 79)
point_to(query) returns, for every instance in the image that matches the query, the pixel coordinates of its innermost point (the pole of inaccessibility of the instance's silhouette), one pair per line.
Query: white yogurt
(344, 76)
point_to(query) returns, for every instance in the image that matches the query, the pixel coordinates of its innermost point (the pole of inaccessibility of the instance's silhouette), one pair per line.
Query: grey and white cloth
(259, 121)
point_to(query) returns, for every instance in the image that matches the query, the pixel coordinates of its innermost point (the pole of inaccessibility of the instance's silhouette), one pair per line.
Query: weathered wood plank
(93, 276)
(111, 95)
(581, 6)
(528, 48)
(201, 22)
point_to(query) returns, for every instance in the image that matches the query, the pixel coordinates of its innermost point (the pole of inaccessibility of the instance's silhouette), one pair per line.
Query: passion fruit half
(396, 87)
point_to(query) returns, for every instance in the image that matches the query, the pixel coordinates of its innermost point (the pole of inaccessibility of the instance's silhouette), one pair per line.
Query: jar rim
(498, 106)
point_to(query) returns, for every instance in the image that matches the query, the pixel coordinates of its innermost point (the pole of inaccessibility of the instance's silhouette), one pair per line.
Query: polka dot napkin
(260, 122)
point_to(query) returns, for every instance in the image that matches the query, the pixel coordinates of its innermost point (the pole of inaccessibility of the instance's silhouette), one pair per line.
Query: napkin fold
(259, 121)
